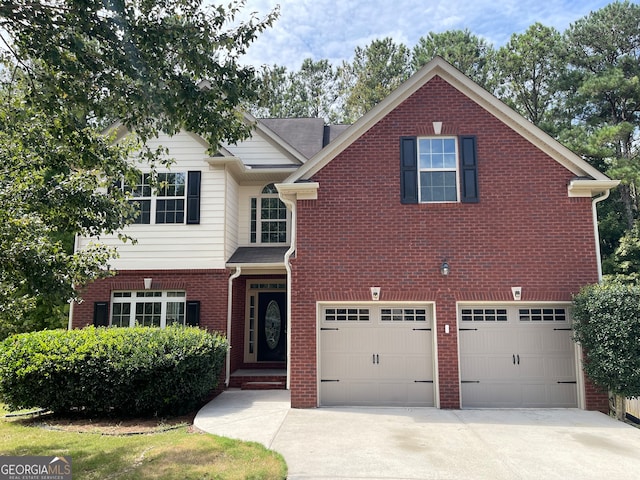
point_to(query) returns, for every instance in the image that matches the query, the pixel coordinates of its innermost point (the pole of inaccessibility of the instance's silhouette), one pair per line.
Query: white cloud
(332, 29)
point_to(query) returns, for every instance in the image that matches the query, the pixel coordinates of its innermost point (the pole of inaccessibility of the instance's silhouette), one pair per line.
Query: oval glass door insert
(272, 324)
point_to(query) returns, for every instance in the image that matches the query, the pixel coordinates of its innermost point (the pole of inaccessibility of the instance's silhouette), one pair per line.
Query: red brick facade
(524, 231)
(207, 286)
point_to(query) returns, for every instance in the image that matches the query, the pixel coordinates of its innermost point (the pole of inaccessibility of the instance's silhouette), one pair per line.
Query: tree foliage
(469, 53)
(607, 325)
(376, 70)
(69, 68)
(311, 91)
(603, 85)
(528, 67)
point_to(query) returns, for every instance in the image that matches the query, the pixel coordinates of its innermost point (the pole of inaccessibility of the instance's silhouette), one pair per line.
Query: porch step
(262, 385)
(256, 379)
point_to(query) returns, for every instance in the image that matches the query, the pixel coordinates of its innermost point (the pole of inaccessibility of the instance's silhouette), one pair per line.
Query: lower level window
(147, 308)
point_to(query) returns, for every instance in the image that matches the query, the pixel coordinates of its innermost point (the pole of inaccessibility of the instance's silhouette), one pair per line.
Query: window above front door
(269, 218)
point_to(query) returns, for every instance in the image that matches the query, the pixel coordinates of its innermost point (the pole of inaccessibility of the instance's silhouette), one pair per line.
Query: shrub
(115, 371)
(607, 325)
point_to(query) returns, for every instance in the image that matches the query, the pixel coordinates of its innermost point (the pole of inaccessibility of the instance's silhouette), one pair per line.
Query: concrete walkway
(427, 443)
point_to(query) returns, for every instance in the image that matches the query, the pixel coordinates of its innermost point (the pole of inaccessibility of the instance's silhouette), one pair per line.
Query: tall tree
(72, 65)
(603, 51)
(376, 70)
(528, 67)
(315, 90)
(274, 90)
(469, 53)
(311, 91)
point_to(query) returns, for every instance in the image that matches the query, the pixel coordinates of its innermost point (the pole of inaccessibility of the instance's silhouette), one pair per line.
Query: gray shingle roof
(306, 135)
(258, 255)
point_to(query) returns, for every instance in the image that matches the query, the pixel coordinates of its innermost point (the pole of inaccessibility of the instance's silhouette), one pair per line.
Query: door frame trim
(248, 356)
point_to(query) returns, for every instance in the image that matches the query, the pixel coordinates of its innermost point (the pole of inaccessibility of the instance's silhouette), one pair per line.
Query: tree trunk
(621, 407)
(628, 205)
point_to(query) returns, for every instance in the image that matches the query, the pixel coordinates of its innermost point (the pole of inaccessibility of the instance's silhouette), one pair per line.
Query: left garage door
(376, 355)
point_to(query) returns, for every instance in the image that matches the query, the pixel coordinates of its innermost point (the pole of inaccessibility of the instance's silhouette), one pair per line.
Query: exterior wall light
(444, 268)
(147, 283)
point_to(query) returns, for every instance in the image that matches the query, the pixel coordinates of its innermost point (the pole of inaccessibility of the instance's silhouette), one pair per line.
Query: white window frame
(422, 169)
(154, 196)
(259, 221)
(135, 297)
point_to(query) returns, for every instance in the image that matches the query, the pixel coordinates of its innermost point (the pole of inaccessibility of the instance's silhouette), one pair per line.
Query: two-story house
(425, 256)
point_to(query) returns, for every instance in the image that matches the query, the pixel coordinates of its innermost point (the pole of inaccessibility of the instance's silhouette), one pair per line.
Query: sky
(332, 29)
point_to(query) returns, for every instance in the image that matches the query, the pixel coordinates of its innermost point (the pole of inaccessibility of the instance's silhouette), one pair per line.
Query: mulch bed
(104, 426)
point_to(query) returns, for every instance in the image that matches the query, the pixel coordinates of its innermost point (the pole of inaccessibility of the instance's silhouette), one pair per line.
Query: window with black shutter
(438, 169)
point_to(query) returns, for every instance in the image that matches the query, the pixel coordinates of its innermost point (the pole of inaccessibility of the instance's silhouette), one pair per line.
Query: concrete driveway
(426, 443)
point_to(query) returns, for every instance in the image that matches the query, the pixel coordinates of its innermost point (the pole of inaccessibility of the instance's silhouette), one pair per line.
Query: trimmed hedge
(114, 371)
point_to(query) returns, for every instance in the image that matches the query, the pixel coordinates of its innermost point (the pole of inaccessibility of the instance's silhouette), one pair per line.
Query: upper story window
(175, 198)
(268, 217)
(438, 169)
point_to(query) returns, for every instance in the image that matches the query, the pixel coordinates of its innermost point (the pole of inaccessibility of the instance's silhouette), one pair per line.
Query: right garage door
(517, 356)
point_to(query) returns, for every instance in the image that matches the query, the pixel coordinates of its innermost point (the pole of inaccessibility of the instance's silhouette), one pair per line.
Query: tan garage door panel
(376, 355)
(517, 356)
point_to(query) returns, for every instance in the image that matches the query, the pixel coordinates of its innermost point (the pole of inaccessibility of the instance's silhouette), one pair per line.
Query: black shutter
(193, 313)
(408, 170)
(193, 197)
(101, 314)
(469, 170)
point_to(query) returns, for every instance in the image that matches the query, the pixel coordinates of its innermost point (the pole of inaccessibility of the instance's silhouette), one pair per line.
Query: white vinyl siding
(232, 214)
(259, 151)
(224, 210)
(177, 246)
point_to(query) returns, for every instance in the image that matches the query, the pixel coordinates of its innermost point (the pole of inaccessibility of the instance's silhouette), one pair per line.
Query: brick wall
(207, 286)
(525, 231)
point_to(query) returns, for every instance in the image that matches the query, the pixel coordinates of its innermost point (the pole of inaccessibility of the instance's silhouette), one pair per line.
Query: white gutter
(233, 276)
(76, 243)
(291, 204)
(594, 203)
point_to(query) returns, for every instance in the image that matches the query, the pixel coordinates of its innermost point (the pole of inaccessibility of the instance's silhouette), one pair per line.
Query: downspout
(291, 204)
(594, 203)
(233, 276)
(76, 243)
(582, 401)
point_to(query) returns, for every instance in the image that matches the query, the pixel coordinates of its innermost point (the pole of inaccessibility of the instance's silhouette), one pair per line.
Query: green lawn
(175, 454)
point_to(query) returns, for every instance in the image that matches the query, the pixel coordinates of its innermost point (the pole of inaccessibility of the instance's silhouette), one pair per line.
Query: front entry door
(272, 326)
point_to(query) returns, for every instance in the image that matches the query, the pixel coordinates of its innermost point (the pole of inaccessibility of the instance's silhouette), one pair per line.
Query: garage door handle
(514, 359)
(518, 359)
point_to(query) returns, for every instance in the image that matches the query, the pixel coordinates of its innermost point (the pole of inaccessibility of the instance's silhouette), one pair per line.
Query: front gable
(444, 98)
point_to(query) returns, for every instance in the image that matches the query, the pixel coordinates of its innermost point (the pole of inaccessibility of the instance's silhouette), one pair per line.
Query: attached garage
(515, 356)
(376, 355)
